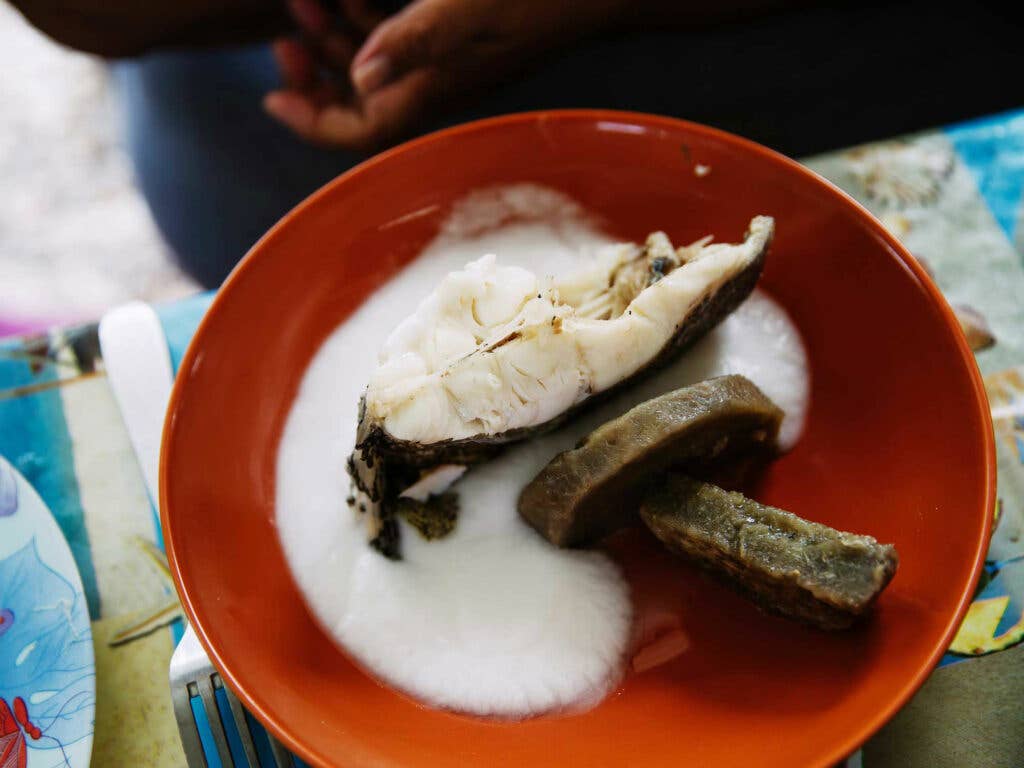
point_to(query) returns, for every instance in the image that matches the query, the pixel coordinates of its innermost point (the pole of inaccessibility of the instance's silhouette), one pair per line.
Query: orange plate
(898, 444)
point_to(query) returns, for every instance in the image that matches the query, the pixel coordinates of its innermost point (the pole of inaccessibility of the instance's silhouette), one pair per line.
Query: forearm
(118, 28)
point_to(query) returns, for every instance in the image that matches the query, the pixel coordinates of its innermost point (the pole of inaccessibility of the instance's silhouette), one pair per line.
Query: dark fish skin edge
(786, 565)
(377, 486)
(590, 491)
(377, 453)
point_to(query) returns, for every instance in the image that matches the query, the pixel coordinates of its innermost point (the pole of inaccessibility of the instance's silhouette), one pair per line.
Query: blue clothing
(216, 171)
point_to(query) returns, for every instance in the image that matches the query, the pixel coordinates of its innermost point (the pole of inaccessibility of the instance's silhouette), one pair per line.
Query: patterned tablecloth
(954, 197)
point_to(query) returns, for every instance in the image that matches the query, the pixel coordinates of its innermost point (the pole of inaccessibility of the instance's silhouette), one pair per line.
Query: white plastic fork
(138, 366)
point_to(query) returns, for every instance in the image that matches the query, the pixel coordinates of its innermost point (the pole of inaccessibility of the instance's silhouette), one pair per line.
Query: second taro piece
(787, 565)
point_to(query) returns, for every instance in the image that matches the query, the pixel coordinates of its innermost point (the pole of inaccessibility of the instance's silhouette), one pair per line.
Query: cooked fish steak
(496, 353)
(497, 349)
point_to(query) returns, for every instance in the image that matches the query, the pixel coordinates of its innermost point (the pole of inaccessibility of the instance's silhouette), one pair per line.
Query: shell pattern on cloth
(901, 173)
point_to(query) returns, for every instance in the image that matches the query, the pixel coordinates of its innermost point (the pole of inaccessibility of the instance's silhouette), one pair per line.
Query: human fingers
(383, 116)
(421, 36)
(294, 62)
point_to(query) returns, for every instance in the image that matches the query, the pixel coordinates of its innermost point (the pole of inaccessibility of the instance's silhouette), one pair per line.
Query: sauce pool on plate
(490, 620)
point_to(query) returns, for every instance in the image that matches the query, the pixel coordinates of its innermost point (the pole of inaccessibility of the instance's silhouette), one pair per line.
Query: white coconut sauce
(492, 619)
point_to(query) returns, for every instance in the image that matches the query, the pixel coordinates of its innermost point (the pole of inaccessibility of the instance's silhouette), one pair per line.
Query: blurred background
(76, 236)
(194, 126)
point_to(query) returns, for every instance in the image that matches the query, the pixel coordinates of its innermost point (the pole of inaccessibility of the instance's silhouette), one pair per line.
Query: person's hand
(343, 90)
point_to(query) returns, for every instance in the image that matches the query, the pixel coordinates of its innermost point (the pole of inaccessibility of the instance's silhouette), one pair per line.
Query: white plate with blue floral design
(47, 670)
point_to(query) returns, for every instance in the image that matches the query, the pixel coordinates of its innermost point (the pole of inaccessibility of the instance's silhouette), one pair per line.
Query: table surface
(954, 196)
